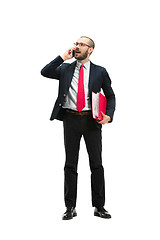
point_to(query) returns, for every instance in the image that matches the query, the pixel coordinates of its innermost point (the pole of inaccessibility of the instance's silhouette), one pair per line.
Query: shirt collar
(86, 65)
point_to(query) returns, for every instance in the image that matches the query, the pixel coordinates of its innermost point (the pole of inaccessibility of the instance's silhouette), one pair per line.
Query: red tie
(81, 93)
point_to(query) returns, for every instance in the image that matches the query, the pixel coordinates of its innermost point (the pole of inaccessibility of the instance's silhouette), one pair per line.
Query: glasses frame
(81, 44)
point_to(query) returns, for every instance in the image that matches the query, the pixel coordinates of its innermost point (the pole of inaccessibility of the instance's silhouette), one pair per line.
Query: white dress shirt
(71, 98)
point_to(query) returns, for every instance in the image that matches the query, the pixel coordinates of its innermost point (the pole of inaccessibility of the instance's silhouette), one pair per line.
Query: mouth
(77, 51)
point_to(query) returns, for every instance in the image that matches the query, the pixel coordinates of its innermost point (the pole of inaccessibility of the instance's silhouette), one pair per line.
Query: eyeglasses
(81, 44)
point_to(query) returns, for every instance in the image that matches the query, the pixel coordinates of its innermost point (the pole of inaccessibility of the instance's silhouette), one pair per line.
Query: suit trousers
(76, 126)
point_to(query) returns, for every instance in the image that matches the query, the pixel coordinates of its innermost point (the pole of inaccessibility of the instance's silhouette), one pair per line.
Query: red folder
(99, 104)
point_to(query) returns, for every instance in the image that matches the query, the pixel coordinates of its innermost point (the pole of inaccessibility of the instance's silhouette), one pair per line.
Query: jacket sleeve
(108, 91)
(53, 69)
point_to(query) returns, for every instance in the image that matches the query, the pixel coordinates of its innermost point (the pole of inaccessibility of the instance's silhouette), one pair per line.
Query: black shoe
(101, 212)
(69, 214)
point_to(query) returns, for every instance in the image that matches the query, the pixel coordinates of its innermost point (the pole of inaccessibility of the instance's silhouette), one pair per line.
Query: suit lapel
(70, 73)
(91, 76)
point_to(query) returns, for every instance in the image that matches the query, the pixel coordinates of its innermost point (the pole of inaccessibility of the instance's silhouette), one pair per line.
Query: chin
(79, 58)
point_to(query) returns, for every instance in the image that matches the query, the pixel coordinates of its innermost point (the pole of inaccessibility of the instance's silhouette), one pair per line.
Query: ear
(90, 50)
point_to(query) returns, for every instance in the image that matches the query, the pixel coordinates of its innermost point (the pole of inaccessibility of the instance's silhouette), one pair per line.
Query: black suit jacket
(63, 72)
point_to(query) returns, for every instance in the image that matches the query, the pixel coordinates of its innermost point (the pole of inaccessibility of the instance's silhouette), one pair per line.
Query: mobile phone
(73, 53)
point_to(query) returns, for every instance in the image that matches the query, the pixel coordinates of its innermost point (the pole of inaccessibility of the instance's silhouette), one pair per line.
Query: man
(73, 106)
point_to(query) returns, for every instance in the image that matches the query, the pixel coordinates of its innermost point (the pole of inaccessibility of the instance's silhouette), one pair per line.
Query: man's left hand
(105, 120)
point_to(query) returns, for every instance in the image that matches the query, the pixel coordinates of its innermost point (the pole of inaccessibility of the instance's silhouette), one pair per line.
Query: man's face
(82, 52)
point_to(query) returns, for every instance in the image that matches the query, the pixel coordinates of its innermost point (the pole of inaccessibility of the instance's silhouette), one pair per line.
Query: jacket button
(60, 105)
(64, 94)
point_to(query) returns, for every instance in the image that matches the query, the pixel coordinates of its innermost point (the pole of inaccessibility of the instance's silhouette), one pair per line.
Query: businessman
(73, 106)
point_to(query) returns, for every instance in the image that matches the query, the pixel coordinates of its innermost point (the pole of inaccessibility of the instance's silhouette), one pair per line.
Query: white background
(32, 158)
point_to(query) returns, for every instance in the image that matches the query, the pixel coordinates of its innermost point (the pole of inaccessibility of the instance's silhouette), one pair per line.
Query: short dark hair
(92, 42)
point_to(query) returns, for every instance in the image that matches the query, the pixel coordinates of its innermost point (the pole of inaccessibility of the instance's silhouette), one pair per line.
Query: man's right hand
(68, 54)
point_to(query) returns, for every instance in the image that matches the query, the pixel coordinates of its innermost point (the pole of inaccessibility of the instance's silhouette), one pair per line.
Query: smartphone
(73, 53)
